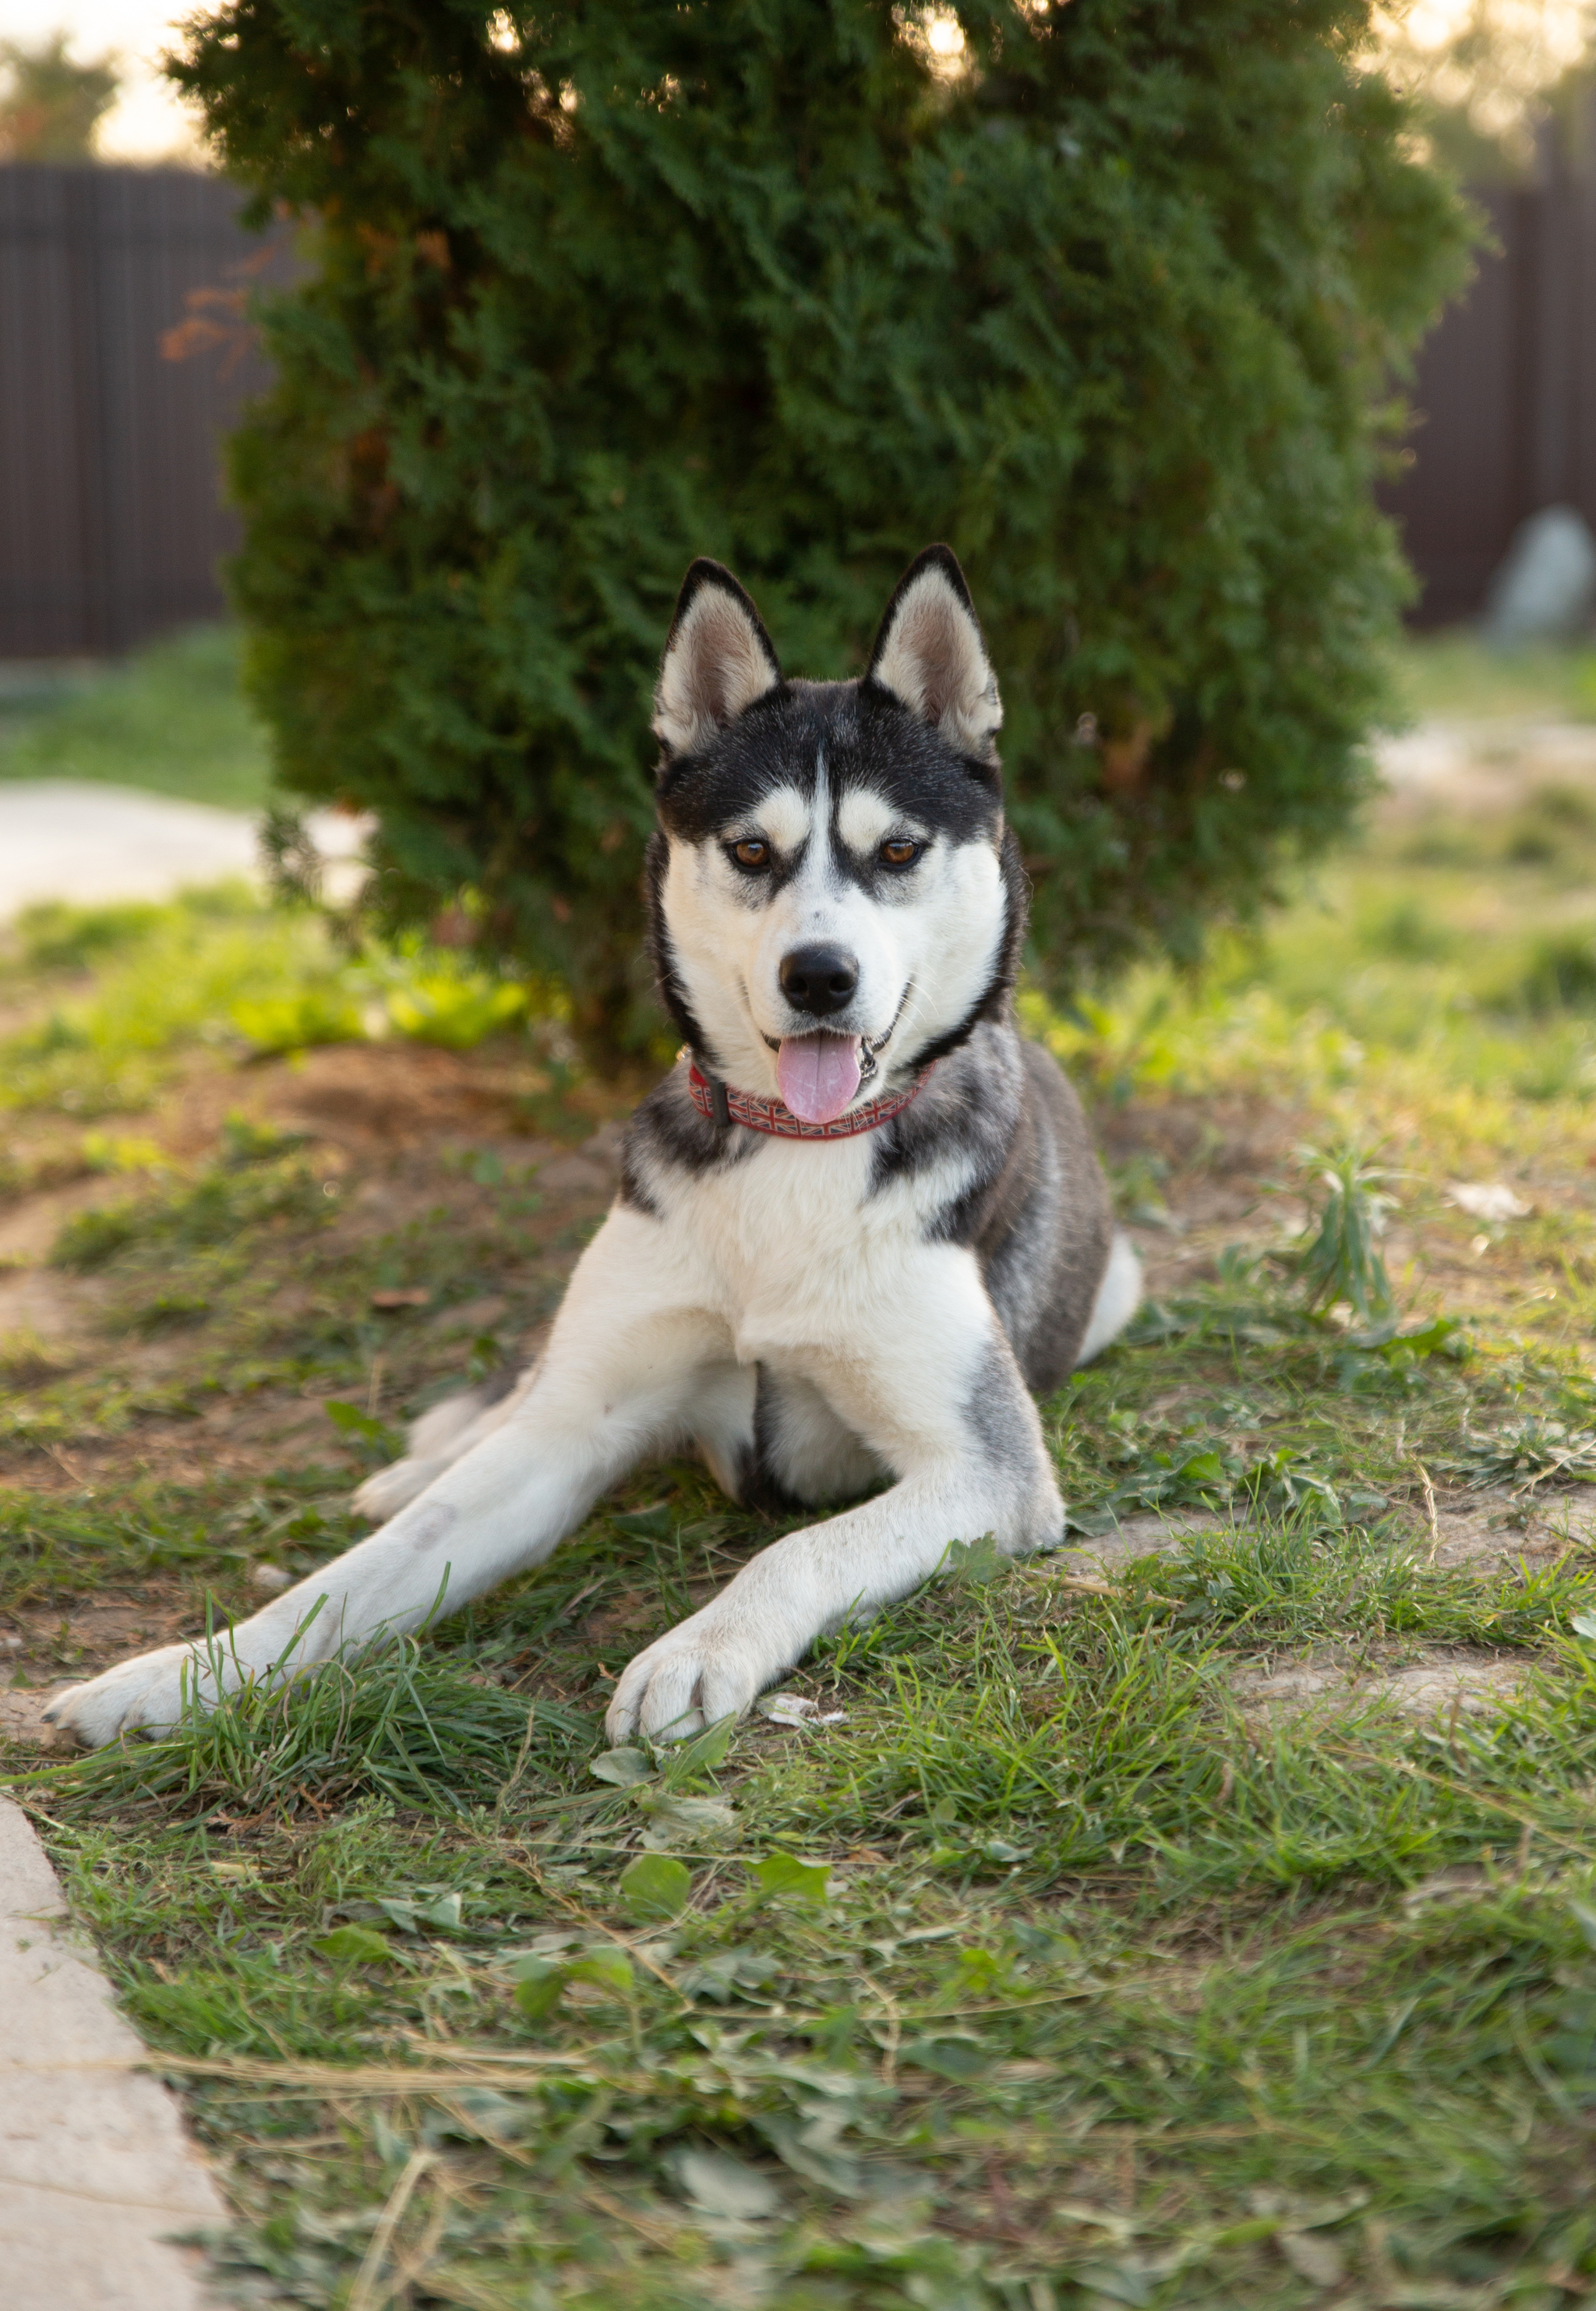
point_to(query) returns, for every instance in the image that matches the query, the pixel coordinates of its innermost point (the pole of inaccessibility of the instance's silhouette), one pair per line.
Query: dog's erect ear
(930, 655)
(718, 661)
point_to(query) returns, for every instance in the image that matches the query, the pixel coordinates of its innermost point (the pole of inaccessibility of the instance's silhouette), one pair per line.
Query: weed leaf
(784, 1876)
(355, 1946)
(540, 1985)
(722, 2186)
(655, 1886)
(956, 2056)
(624, 1767)
(692, 1760)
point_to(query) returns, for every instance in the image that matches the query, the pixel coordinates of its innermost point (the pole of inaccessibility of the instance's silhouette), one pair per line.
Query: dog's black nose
(818, 980)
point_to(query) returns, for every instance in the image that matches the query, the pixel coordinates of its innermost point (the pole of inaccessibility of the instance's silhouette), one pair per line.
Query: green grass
(170, 719)
(1456, 678)
(1059, 1972)
(167, 978)
(220, 966)
(1103, 1993)
(1114, 1994)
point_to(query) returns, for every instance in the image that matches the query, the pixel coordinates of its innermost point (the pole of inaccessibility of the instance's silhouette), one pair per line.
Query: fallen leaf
(797, 1709)
(354, 1946)
(952, 2054)
(787, 1708)
(673, 1821)
(624, 1767)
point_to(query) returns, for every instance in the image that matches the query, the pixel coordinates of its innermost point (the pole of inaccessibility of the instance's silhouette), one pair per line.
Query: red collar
(745, 1107)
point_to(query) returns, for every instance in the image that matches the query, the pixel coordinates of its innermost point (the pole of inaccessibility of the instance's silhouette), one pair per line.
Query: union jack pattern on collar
(770, 1115)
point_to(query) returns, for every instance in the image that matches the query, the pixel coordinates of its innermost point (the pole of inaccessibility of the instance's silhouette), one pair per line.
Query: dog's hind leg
(623, 1376)
(723, 1426)
(442, 1436)
(805, 1450)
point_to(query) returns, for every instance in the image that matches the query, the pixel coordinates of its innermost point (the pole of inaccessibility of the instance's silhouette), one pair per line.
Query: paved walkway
(69, 838)
(72, 839)
(96, 2173)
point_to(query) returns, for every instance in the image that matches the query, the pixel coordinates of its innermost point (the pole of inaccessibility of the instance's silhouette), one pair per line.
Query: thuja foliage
(1109, 296)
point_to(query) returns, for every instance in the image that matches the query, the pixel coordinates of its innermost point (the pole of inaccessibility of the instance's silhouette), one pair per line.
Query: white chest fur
(799, 1251)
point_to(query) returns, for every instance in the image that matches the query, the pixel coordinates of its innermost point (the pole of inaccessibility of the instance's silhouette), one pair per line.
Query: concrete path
(72, 839)
(69, 838)
(1484, 766)
(96, 2172)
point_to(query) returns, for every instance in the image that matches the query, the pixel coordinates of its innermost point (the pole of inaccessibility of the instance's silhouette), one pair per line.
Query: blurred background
(125, 355)
(133, 767)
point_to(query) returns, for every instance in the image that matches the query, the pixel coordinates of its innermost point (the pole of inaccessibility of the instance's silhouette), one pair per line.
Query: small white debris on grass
(1488, 1201)
(797, 1709)
(269, 1577)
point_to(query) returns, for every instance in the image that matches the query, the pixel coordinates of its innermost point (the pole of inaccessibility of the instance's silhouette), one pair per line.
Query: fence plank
(1504, 398)
(111, 516)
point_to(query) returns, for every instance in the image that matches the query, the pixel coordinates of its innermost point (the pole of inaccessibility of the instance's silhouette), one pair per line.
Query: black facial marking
(866, 738)
(867, 741)
(668, 1132)
(667, 979)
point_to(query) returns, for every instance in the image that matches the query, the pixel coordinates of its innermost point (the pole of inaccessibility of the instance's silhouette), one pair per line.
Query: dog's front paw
(707, 1668)
(145, 1693)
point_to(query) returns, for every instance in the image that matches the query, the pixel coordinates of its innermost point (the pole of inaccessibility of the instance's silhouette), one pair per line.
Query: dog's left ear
(718, 659)
(929, 653)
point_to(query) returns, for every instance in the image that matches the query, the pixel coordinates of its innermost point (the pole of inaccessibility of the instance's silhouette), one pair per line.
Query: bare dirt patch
(1435, 1686)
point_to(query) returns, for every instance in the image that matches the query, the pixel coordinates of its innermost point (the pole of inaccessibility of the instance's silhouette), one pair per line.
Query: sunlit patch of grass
(1416, 1004)
(1451, 676)
(213, 1207)
(168, 978)
(222, 966)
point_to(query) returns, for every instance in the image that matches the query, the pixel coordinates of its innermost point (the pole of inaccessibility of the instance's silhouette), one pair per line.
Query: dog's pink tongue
(818, 1075)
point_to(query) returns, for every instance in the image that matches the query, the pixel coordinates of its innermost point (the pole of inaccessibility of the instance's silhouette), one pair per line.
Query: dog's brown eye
(752, 853)
(899, 854)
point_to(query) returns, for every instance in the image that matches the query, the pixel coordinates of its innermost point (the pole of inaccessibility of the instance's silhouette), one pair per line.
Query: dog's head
(834, 897)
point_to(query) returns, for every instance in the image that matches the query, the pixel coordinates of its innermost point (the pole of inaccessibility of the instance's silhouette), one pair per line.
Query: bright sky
(1533, 40)
(147, 123)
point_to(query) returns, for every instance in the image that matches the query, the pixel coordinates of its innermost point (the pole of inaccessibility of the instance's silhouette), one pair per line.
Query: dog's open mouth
(818, 1075)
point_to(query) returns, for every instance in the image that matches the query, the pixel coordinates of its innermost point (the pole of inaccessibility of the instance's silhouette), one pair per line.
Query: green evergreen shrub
(1111, 301)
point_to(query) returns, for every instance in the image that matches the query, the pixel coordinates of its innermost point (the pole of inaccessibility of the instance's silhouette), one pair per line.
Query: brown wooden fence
(111, 520)
(1506, 398)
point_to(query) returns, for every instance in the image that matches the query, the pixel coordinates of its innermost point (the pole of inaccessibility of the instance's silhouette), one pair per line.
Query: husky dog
(859, 1223)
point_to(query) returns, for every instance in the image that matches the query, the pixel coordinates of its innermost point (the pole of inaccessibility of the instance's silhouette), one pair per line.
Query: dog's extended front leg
(626, 1363)
(933, 1390)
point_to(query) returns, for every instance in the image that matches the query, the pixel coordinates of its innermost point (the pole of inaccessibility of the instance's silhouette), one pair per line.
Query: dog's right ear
(930, 654)
(718, 661)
